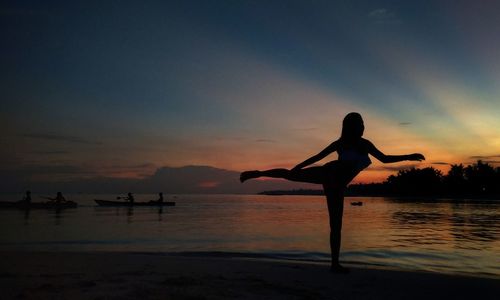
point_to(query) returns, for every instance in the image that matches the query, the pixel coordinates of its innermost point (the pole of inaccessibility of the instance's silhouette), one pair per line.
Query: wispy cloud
(404, 123)
(60, 138)
(116, 167)
(305, 129)
(384, 16)
(483, 157)
(63, 169)
(124, 170)
(50, 152)
(392, 168)
(234, 138)
(486, 161)
(440, 163)
(208, 184)
(131, 167)
(265, 141)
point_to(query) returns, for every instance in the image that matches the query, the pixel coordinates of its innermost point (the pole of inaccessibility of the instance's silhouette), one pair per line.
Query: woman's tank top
(360, 159)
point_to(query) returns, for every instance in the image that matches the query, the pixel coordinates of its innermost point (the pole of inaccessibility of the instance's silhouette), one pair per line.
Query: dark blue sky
(120, 88)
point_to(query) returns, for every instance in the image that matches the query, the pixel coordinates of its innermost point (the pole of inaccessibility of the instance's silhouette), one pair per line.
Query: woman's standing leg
(335, 200)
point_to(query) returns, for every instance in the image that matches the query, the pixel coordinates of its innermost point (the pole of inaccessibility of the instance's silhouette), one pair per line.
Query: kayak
(50, 205)
(127, 203)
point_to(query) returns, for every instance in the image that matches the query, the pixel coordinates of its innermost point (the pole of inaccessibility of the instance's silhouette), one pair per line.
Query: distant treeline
(479, 180)
(293, 192)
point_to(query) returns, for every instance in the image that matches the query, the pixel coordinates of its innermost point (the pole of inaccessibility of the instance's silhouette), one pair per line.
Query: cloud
(61, 138)
(488, 159)
(53, 169)
(404, 123)
(392, 168)
(205, 179)
(182, 180)
(208, 184)
(440, 163)
(265, 141)
(38, 175)
(306, 129)
(50, 152)
(483, 157)
(485, 161)
(232, 139)
(132, 167)
(383, 16)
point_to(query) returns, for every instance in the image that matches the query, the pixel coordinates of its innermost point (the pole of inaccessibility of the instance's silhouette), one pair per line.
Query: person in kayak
(130, 198)
(160, 199)
(334, 176)
(26, 198)
(58, 199)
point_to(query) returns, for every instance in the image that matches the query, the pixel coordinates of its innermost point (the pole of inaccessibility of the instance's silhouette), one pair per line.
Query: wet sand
(106, 275)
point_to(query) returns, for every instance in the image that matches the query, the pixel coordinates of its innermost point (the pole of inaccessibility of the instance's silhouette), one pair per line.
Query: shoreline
(125, 275)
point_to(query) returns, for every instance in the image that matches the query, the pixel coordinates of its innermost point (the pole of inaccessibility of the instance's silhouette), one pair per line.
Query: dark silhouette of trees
(416, 182)
(479, 180)
(455, 182)
(482, 178)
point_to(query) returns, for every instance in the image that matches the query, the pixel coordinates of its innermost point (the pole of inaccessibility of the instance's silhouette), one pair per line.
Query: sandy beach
(106, 275)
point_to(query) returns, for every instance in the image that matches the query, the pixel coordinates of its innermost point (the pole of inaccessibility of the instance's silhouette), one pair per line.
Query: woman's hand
(416, 156)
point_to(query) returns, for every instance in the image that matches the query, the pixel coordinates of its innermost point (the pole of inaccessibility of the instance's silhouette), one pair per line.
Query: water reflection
(160, 213)
(57, 216)
(405, 218)
(439, 235)
(464, 225)
(471, 227)
(26, 216)
(130, 213)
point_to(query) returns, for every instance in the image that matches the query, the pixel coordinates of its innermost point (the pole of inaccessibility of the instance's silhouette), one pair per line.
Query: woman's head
(352, 126)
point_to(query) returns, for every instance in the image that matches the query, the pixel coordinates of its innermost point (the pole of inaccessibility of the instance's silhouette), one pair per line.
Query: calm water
(443, 236)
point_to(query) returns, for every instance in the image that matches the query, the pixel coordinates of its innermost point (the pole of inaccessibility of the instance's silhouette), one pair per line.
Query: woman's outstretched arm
(324, 153)
(392, 158)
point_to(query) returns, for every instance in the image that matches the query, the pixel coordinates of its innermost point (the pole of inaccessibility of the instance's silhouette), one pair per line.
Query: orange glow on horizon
(208, 184)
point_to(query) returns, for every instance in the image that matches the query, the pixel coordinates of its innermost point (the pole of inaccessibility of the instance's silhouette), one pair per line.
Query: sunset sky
(122, 88)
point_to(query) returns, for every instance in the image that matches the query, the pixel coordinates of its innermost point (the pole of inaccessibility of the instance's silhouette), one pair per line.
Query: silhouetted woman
(353, 157)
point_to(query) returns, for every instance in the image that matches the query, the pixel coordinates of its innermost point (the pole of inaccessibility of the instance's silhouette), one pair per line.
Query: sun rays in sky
(121, 89)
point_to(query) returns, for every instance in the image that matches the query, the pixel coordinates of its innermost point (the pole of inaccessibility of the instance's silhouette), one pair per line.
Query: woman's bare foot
(249, 175)
(337, 268)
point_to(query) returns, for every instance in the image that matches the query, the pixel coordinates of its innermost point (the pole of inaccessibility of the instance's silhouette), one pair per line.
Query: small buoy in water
(359, 203)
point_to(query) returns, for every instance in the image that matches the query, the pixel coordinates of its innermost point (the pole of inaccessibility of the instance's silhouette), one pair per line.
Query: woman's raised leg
(274, 173)
(310, 175)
